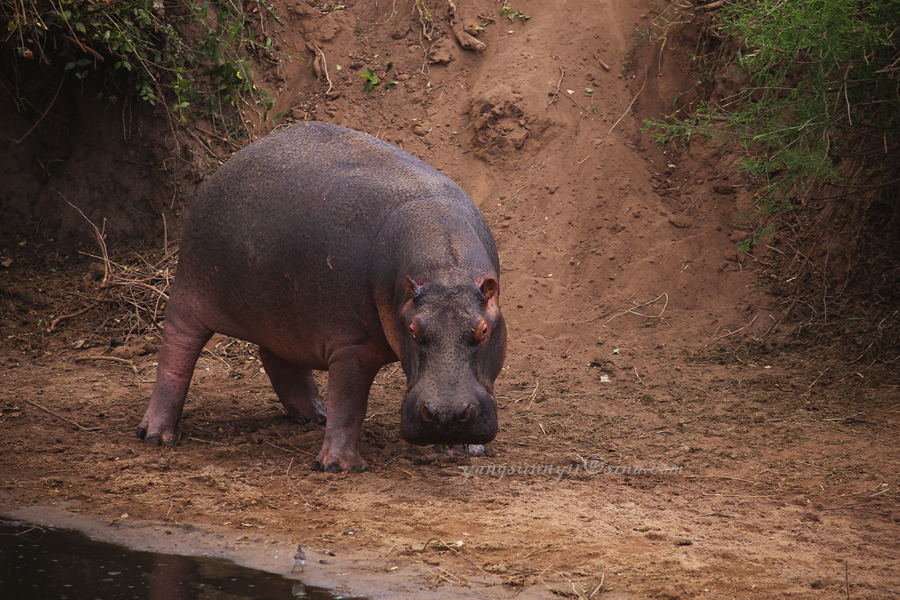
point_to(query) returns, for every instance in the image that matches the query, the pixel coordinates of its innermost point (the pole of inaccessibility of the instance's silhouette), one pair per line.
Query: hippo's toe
(157, 438)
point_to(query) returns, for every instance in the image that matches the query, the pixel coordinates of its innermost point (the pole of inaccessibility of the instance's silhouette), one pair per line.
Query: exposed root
(459, 25)
(320, 68)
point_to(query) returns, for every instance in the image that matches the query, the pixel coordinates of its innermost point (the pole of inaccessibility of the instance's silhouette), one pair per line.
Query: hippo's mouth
(428, 438)
(470, 422)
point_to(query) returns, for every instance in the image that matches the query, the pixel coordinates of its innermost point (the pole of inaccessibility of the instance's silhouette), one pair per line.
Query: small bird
(299, 559)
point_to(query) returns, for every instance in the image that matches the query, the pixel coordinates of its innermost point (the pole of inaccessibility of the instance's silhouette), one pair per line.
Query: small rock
(737, 236)
(679, 222)
(441, 52)
(724, 189)
(400, 32)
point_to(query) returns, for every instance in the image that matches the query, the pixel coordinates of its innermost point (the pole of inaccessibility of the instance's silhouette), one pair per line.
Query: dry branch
(710, 7)
(60, 417)
(124, 361)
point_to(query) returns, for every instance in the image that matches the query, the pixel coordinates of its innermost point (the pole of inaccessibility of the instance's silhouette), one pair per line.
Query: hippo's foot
(461, 449)
(314, 412)
(336, 468)
(158, 437)
(335, 462)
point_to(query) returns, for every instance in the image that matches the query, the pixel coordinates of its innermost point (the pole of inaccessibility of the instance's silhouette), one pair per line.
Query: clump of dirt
(501, 122)
(658, 438)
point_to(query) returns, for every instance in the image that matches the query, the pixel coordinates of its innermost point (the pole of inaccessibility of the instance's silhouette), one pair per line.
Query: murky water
(38, 563)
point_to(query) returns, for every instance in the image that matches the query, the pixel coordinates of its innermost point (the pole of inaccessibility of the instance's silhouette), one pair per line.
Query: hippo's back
(314, 173)
(289, 225)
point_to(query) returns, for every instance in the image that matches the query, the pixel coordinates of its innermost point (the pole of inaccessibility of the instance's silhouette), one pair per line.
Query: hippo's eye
(482, 330)
(415, 330)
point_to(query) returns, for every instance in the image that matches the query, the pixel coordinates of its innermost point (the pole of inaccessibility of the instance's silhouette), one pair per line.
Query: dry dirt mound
(632, 319)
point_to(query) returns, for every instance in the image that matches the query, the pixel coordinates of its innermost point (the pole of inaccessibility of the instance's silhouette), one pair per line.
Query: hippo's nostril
(464, 411)
(428, 412)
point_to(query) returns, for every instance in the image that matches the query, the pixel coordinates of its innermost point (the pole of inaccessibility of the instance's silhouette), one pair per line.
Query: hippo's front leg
(351, 372)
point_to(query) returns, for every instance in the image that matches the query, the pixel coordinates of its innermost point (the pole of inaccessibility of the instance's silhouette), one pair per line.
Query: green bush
(147, 45)
(824, 87)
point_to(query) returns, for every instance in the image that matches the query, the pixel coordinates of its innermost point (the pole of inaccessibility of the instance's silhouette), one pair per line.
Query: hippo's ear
(415, 290)
(488, 287)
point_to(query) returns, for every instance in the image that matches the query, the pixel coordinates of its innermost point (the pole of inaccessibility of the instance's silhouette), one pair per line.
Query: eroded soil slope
(638, 336)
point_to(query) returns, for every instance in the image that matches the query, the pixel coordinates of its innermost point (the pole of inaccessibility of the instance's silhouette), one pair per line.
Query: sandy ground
(658, 437)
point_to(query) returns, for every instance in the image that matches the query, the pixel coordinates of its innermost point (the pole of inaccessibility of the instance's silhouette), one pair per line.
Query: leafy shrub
(146, 43)
(824, 90)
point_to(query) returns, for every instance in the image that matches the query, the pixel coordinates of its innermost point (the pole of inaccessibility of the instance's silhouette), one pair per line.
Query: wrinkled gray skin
(333, 250)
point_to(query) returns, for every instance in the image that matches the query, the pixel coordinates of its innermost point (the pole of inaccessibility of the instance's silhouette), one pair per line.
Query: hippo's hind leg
(183, 340)
(295, 386)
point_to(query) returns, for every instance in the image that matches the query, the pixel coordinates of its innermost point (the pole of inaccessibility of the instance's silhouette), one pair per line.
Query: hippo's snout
(432, 413)
(442, 421)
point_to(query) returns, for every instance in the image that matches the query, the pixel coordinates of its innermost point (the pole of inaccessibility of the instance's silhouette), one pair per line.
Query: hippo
(333, 250)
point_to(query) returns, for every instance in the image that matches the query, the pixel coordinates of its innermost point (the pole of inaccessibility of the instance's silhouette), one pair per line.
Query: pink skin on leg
(180, 349)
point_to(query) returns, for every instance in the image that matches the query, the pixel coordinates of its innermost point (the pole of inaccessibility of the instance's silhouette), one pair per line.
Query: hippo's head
(452, 349)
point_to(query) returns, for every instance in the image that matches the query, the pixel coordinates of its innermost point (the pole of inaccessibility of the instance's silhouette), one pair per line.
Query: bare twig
(632, 309)
(638, 376)
(555, 94)
(291, 445)
(627, 110)
(733, 332)
(57, 320)
(602, 64)
(124, 361)
(425, 19)
(393, 12)
(41, 118)
(454, 550)
(321, 68)
(60, 417)
(98, 234)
